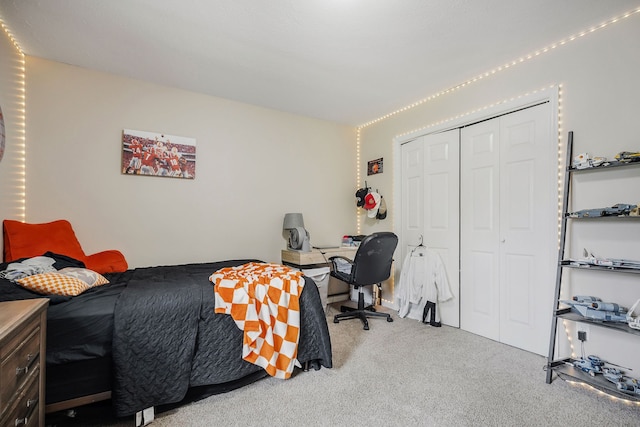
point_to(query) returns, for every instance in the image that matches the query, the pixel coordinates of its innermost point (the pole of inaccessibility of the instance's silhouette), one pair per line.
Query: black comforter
(159, 325)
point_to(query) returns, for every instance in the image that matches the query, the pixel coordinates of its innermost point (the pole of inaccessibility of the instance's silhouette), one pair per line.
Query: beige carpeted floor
(402, 373)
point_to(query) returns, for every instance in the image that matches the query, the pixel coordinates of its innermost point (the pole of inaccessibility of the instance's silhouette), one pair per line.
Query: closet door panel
(441, 221)
(508, 233)
(528, 227)
(479, 225)
(412, 196)
(430, 196)
(483, 201)
(518, 300)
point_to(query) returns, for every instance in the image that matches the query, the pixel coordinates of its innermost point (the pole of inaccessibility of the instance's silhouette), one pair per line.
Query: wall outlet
(583, 332)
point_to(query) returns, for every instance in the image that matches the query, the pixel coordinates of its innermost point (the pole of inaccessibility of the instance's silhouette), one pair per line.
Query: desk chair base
(361, 312)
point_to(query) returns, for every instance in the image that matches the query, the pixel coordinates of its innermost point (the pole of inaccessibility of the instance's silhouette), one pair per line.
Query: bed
(150, 337)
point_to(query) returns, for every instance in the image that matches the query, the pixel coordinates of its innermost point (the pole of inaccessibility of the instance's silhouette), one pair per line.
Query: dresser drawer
(23, 331)
(17, 365)
(26, 409)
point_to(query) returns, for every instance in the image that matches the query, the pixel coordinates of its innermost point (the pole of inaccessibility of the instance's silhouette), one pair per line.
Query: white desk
(336, 290)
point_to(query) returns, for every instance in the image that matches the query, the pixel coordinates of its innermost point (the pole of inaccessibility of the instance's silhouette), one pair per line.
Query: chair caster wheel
(335, 320)
(366, 327)
(389, 319)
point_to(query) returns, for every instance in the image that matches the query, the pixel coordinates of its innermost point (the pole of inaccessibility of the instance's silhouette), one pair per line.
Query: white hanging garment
(423, 278)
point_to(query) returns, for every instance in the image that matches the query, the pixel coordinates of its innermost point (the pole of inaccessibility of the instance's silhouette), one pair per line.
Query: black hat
(360, 194)
(382, 210)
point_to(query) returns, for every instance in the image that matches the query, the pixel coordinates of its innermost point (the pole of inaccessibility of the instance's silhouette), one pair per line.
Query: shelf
(564, 370)
(614, 165)
(567, 264)
(605, 217)
(569, 372)
(567, 314)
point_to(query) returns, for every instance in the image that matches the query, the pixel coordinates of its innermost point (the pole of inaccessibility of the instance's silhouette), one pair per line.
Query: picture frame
(374, 166)
(158, 154)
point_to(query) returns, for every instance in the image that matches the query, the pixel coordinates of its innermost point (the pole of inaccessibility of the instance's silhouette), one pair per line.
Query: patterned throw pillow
(70, 281)
(90, 277)
(54, 284)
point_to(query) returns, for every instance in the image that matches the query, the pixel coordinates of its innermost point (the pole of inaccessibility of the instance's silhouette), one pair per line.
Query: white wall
(600, 102)
(12, 105)
(253, 165)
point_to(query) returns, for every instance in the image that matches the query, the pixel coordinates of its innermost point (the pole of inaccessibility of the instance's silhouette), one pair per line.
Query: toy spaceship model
(586, 161)
(593, 365)
(590, 259)
(594, 308)
(619, 209)
(633, 318)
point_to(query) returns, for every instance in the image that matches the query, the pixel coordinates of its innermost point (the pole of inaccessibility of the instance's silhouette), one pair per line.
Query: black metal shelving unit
(562, 367)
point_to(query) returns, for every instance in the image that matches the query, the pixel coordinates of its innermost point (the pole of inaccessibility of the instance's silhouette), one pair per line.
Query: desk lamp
(298, 237)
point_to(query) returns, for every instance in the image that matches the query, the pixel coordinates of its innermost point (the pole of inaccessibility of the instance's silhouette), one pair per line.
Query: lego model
(584, 161)
(592, 365)
(619, 209)
(628, 156)
(624, 383)
(633, 319)
(594, 308)
(590, 259)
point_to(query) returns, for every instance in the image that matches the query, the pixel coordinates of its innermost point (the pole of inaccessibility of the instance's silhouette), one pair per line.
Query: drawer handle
(30, 357)
(31, 403)
(20, 371)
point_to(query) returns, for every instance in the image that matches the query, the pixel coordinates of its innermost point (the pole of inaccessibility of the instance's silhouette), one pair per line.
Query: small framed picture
(158, 154)
(374, 166)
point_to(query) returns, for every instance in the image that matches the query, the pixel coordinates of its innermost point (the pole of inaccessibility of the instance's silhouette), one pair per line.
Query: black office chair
(370, 266)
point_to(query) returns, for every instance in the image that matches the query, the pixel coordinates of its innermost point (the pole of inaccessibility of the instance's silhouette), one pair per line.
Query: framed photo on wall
(374, 166)
(158, 154)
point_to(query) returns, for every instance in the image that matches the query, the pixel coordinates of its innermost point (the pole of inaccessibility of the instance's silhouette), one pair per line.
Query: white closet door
(412, 196)
(528, 232)
(441, 212)
(479, 229)
(508, 228)
(430, 210)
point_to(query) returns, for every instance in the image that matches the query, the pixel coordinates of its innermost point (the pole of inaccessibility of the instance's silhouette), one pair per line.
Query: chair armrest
(341, 257)
(338, 264)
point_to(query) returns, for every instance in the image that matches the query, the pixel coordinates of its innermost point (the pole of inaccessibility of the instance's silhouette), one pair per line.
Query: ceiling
(346, 61)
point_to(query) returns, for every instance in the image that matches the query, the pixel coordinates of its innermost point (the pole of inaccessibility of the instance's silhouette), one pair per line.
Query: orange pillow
(106, 262)
(22, 240)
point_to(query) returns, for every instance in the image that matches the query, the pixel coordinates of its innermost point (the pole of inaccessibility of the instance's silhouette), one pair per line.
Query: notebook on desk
(325, 247)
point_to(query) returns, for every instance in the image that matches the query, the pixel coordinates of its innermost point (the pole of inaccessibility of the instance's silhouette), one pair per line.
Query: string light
(602, 393)
(19, 126)
(358, 176)
(520, 60)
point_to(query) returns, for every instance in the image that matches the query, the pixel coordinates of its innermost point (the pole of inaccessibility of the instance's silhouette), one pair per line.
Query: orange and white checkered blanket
(263, 300)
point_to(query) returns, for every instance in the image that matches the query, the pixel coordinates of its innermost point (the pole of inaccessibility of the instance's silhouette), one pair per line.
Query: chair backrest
(372, 262)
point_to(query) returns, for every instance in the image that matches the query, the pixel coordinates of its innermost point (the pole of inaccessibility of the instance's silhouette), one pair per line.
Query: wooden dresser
(22, 362)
